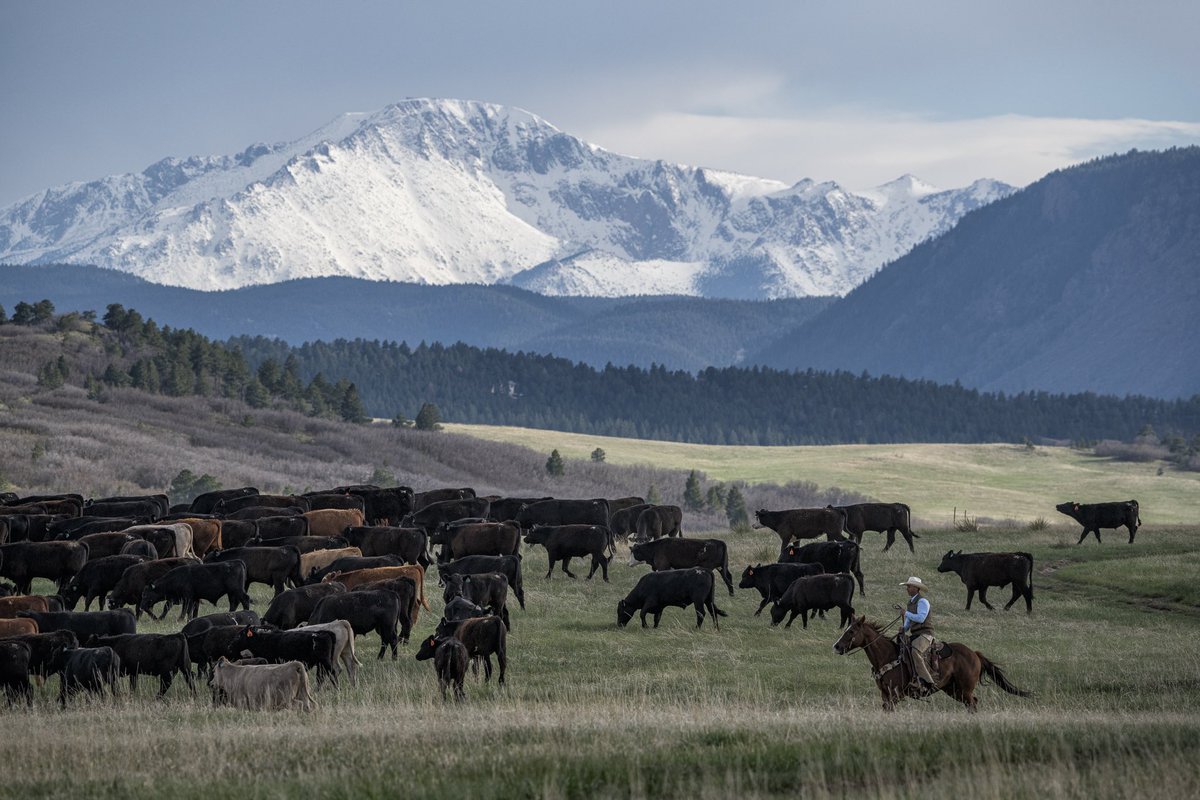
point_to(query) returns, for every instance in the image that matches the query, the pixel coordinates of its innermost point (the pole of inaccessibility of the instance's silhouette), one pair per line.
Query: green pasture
(1111, 652)
(994, 481)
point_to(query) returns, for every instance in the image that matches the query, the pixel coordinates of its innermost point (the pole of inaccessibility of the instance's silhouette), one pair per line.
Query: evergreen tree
(351, 407)
(43, 311)
(22, 314)
(653, 496)
(598, 455)
(257, 395)
(186, 485)
(429, 418)
(693, 500)
(714, 499)
(554, 464)
(3, 315)
(49, 376)
(735, 510)
(114, 317)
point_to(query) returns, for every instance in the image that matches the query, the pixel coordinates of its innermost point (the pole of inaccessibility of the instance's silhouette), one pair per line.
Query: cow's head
(758, 515)
(427, 649)
(749, 576)
(150, 596)
(1071, 509)
(951, 562)
(454, 587)
(778, 612)
(538, 534)
(624, 613)
(639, 554)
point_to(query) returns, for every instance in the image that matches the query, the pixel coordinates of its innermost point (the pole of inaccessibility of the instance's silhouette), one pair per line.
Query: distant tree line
(352, 380)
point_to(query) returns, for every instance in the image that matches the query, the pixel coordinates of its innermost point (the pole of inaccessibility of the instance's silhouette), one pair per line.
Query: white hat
(917, 582)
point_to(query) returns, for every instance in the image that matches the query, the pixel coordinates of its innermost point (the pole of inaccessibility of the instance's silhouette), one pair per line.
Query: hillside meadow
(989, 481)
(591, 710)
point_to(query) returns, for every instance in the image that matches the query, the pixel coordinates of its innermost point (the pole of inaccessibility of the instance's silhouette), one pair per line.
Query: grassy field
(997, 481)
(591, 710)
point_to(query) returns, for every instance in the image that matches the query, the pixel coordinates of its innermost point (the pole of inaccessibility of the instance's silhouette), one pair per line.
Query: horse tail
(994, 672)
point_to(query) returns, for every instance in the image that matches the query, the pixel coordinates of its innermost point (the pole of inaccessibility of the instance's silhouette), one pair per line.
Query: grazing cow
(673, 587)
(508, 566)
(317, 560)
(833, 557)
(505, 509)
(238, 532)
(772, 580)
(262, 687)
(229, 505)
(422, 500)
(564, 542)
(128, 591)
(406, 589)
(564, 512)
(310, 648)
(482, 637)
(333, 521)
(385, 506)
(803, 523)
(1094, 516)
(343, 645)
(888, 518)
(477, 539)
(449, 662)
(358, 577)
(981, 570)
(436, 514)
(88, 669)
(207, 502)
(662, 554)
(83, 623)
(366, 610)
(58, 561)
(140, 548)
(273, 566)
(15, 660)
(97, 578)
(411, 545)
(9, 606)
(489, 590)
(816, 593)
(293, 607)
(150, 654)
(461, 608)
(623, 522)
(191, 583)
(17, 627)
(655, 522)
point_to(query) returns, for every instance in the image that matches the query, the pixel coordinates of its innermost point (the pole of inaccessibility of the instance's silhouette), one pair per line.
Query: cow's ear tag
(249, 633)
(750, 571)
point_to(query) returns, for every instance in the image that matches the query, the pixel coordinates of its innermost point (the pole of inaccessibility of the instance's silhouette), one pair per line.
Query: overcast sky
(859, 92)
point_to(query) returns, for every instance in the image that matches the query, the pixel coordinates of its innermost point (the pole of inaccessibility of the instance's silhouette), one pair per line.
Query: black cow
(310, 648)
(148, 509)
(238, 532)
(386, 506)
(772, 580)
(564, 512)
(832, 556)
(219, 618)
(673, 587)
(58, 561)
(89, 669)
(656, 522)
(508, 566)
(489, 590)
(273, 527)
(273, 566)
(97, 579)
(366, 611)
(436, 514)
(981, 570)
(623, 521)
(663, 554)
(140, 548)
(256, 513)
(410, 544)
(449, 662)
(422, 500)
(230, 505)
(128, 591)
(46, 650)
(102, 545)
(505, 509)
(1094, 516)
(477, 539)
(482, 637)
(318, 501)
(461, 608)
(816, 593)
(78, 527)
(191, 583)
(351, 563)
(150, 654)
(161, 501)
(15, 658)
(83, 623)
(293, 607)
(305, 544)
(209, 645)
(803, 523)
(564, 542)
(207, 502)
(888, 518)
(406, 589)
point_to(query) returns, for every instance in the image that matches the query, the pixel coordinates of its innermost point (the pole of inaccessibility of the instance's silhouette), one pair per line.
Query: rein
(877, 674)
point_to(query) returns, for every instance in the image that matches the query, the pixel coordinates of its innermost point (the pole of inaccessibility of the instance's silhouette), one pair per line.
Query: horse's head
(856, 635)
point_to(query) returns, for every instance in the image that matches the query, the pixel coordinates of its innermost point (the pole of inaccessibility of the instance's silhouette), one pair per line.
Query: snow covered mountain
(446, 191)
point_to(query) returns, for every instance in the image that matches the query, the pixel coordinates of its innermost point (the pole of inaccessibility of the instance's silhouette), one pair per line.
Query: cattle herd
(352, 560)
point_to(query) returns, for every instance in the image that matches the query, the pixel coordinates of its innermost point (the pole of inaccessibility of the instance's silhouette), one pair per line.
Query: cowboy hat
(917, 582)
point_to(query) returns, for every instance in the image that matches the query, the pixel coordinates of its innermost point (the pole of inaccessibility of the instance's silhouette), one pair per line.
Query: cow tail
(908, 520)
(612, 544)
(1029, 573)
(997, 675)
(725, 570)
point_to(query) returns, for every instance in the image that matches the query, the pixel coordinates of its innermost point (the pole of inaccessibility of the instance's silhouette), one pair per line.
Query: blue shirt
(922, 613)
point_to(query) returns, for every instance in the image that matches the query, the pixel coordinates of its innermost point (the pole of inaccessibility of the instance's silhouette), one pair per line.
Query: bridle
(878, 674)
(878, 636)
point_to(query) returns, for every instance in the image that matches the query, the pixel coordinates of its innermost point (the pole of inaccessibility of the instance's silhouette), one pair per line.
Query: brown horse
(958, 672)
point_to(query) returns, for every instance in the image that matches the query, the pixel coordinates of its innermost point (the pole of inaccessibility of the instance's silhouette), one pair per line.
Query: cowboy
(918, 625)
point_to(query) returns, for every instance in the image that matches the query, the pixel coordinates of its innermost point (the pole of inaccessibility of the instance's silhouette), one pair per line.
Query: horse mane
(874, 626)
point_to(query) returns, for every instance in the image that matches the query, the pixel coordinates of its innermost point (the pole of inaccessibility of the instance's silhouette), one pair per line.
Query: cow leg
(792, 618)
(643, 617)
(908, 537)
(699, 614)
(187, 677)
(550, 571)
(164, 682)
(395, 641)
(657, 617)
(520, 593)
(891, 539)
(983, 598)
(504, 618)
(970, 597)
(766, 599)
(487, 668)
(1016, 594)
(382, 649)
(565, 562)
(595, 566)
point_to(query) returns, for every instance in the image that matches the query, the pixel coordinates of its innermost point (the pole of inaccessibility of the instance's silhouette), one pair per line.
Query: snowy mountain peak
(450, 191)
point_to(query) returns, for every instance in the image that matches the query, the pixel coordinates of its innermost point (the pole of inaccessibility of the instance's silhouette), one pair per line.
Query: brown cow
(17, 627)
(320, 559)
(357, 577)
(206, 534)
(9, 606)
(332, 521)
